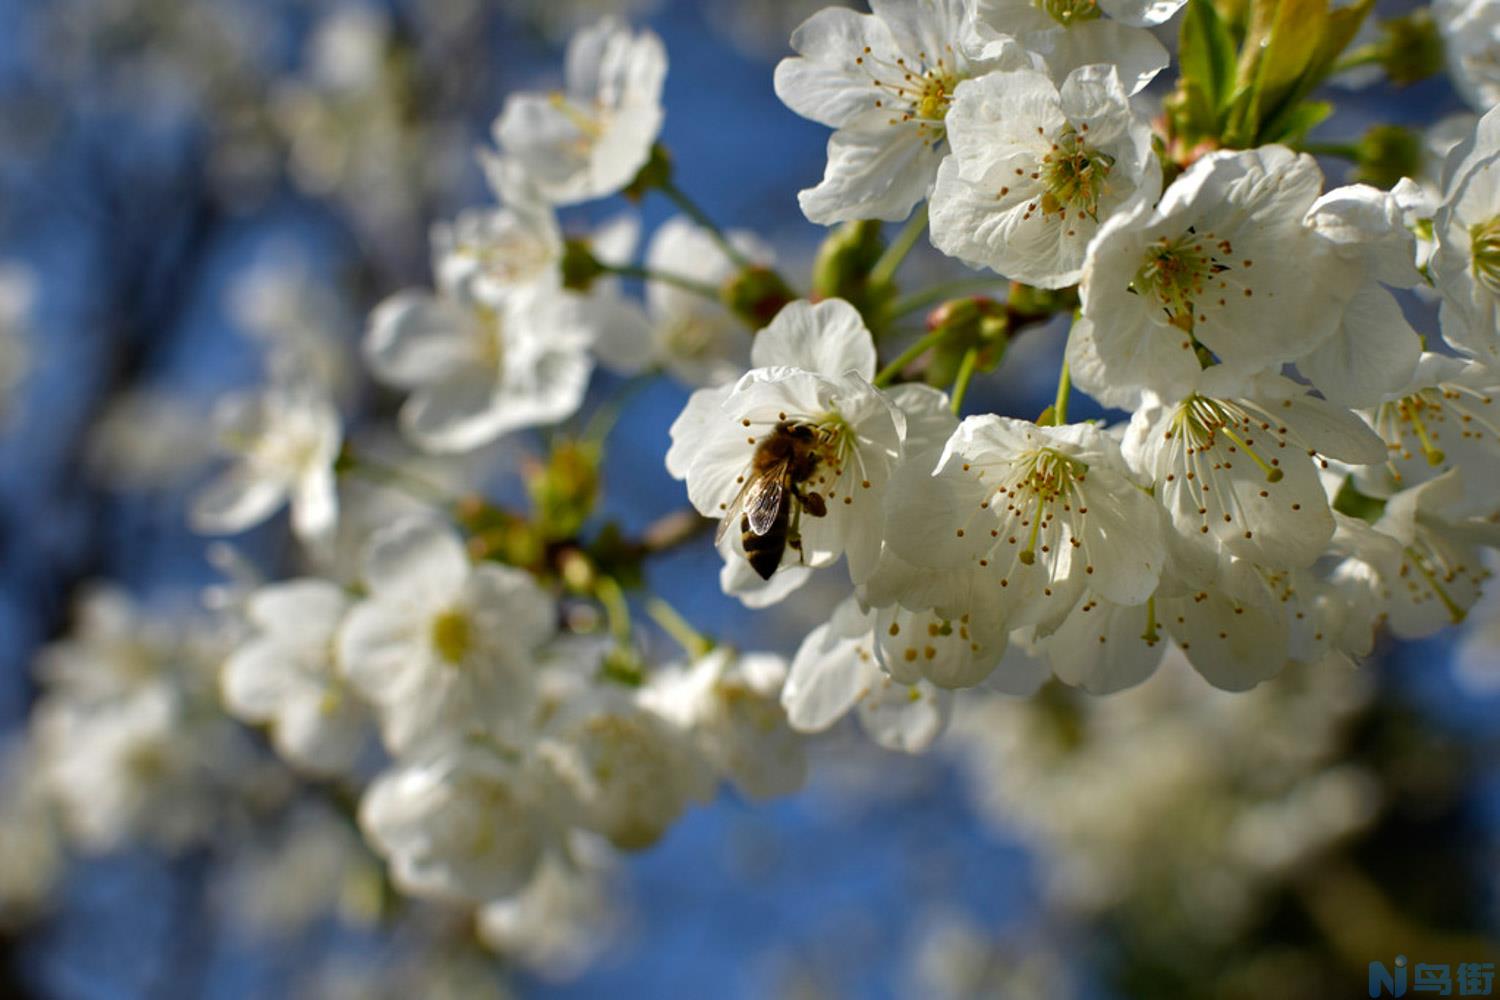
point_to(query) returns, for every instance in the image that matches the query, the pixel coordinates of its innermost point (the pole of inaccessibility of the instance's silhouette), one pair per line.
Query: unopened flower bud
(1412, 49)
(1388, 153)
(756, 294)
(579, 265)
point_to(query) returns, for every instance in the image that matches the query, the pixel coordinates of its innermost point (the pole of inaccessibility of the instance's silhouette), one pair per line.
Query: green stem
(393, 476)
(693, 642)
(885, 268)
(1369, 55)
(965, 376)
(690, 208)
(603, 419)
(1343, 150)
(616, 610)
(939, 293)
(665, 277)
(888, 374)
(1064, 390)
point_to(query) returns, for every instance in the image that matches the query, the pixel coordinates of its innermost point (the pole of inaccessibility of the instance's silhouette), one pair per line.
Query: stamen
(1484, 244)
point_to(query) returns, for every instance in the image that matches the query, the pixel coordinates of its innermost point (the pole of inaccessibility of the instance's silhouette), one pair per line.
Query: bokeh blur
(194, 190)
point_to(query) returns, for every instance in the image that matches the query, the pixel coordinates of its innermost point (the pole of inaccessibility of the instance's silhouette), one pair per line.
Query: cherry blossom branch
(394, 476)
(908, 304)
(693, 642)
(885, 268)
(888, 374)
(965, 376)
(690, 208)
(664, 277)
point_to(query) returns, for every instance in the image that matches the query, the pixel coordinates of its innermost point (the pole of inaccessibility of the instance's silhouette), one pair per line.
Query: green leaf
(1292, 127)
(1207, 55)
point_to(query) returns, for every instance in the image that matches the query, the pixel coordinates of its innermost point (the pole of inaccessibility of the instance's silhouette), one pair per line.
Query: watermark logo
(1467, 979)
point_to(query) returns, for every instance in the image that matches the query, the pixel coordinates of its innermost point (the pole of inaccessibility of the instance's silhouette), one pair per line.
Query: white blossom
(480, 362)
(1471, 42)
(1067, 34)
(462, 824)
(284, 442)
(730, 704)
(884, 82)
(625, 772)
(287, 675)
(443, 648)
(835, 672)
(1224, 263)
(590, 139)
(1466, 261)
(1035, 170)
(812, 378)
(696, 339)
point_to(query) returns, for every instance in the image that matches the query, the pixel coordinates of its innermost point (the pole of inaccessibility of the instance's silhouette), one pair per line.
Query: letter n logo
(1384, 983)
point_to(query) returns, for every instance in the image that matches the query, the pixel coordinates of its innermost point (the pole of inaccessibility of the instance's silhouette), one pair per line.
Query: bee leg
(814, 504)
(794, 534)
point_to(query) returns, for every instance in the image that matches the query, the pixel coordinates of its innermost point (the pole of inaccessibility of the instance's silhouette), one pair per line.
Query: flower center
(917, 90)
(491, 339)
(452, 636)
(1484, 243)
(1047, 477)
(1066, 12)
(1202, 420)
(589, 125)
(1074, 175)
(1176, 272)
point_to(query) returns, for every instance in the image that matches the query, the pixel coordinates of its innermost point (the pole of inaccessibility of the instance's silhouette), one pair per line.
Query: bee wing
(763, 502)
(758, 500)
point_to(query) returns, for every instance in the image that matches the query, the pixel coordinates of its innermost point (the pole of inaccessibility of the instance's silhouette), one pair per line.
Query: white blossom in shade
(1067, 34)
(463, 824)
(287, 675)
(1374, 351)
(835, 672)
(697, 340)
(32, 860)
(1035, 169)
(301, 322)
(1471, 41)
(1224, 262)
(813, 369)
(443, 648)
(1476, 661)
(729, 704)
(592, 138)
(480, 362)
(17, 293)
(1444, 418)
(112, 650)
(884, 82)
(1239, 475)
(945, 625)
(1420, 563)
(516, 245)
(1043, 511)
(1466, 262)
(1237, 632)
(124, 769)
(283, 444)
(562, 920)
(625, 772)
(519, 244)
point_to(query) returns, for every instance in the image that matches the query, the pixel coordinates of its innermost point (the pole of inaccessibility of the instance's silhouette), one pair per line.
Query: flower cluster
(1278, 466)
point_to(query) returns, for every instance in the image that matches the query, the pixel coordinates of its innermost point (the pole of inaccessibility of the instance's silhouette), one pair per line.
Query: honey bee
(769, 506)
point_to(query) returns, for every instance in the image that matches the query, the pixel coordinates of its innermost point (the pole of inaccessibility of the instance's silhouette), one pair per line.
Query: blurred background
(192, 190)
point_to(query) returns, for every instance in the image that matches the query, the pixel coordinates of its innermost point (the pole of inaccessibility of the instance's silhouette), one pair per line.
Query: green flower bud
(1388, 153)
(756, 294)
(1412, 49)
